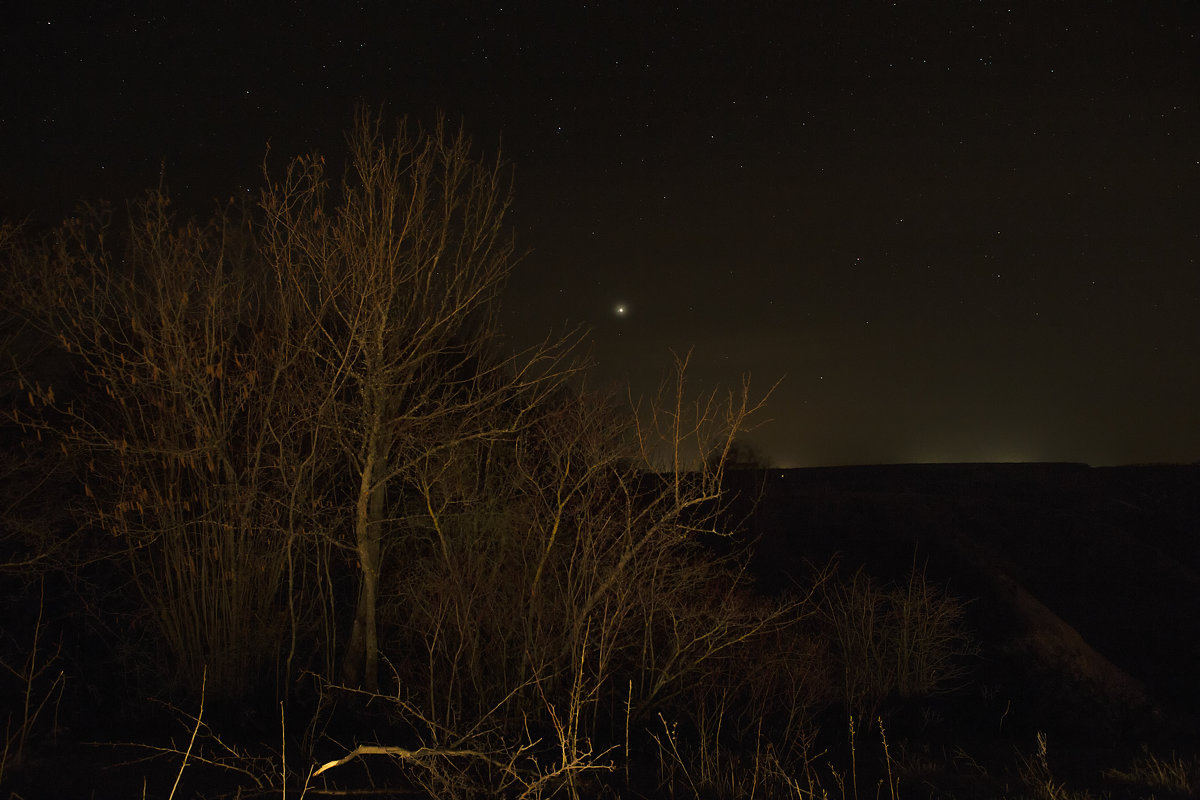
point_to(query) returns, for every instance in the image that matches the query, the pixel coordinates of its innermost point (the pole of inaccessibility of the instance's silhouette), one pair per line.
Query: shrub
(906, 640)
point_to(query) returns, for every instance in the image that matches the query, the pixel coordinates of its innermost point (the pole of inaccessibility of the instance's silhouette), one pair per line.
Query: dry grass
(41, 689)
(1173, 775)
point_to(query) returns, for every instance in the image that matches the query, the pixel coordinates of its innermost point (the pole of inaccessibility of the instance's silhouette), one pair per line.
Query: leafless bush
(557, 588)
(908, 640)
(168, 419)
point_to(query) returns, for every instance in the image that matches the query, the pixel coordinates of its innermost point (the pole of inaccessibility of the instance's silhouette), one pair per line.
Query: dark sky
(960, 231)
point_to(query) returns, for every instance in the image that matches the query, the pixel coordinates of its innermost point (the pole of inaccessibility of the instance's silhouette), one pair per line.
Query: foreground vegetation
(285, 514)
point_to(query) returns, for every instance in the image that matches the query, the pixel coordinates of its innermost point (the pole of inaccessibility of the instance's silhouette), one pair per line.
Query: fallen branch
(403, 752)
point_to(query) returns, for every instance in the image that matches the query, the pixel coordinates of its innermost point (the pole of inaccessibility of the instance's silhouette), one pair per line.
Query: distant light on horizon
(978, 455)
(932, 454)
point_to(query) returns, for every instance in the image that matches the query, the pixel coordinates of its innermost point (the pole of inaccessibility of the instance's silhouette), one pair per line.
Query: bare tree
(397, 285)
(254, 393)
(319, 388)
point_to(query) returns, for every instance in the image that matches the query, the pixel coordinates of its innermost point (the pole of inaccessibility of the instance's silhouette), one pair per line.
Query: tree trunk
(361, 666)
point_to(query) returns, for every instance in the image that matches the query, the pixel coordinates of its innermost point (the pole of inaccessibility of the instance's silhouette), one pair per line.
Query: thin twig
(192, 741)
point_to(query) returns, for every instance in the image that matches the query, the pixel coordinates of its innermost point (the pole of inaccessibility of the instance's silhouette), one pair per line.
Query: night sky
(957, 231)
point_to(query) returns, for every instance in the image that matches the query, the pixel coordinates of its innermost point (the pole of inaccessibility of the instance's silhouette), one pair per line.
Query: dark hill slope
(1088, 576)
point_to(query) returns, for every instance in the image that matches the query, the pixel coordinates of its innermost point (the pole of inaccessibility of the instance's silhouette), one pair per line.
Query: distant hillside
(1088, 576)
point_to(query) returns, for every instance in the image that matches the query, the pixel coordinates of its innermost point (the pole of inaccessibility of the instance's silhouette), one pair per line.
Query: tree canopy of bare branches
(255, 390)
(309, 448)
